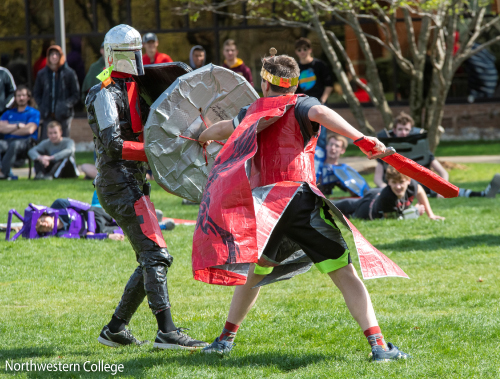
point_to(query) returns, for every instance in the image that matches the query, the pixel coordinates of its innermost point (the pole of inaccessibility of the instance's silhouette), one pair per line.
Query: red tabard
(281, 155)
(234, 223)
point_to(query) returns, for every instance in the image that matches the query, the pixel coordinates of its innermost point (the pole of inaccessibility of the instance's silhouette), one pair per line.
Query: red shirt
(159, 58)
(39, 64)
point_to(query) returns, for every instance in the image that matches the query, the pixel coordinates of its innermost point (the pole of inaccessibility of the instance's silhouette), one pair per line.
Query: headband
(277, 80)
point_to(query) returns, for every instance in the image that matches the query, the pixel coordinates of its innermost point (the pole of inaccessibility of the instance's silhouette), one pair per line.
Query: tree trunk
(435, 103)
(356, 109)
(372, 72)
(416, 99)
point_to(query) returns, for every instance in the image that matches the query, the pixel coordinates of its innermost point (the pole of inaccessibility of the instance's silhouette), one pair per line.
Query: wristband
(17, 126)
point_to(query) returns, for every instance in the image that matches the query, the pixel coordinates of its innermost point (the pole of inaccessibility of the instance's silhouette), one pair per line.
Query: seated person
(392, 200)
(403, 127)
(89, 170)
(55, 156)
(19, 126)
(333, 174)
(104, 222)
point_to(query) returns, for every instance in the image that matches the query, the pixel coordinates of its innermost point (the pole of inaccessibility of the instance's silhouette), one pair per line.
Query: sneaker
(177, 340)
(122, 338)
(220, 347)
(168, 224)
(493, 187)
(393, 354)
(159, 215)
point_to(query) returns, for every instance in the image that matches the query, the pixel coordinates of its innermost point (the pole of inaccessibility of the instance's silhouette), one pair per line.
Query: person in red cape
(275, 199)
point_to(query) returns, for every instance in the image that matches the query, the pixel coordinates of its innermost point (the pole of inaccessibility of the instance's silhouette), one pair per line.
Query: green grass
(449, 148)
(84, 157)
(56, 294)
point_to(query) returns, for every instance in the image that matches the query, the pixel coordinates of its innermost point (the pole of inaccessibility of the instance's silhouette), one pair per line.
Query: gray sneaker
(494, 187)
(177, 340)
(122, 338)
(393, 354)
(219, 347)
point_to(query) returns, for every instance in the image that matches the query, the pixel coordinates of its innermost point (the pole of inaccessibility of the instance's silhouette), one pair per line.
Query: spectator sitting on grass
(392, 200)
(103, 221)
(19, 126)
(54, 157)
(403, 127)
(349, 179)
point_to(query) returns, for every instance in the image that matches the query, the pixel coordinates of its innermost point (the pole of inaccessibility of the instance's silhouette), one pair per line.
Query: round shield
(192, 103)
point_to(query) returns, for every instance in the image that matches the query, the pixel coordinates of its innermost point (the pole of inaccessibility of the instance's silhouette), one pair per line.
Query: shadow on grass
(184, 362)
(442, 242)
(28, 352)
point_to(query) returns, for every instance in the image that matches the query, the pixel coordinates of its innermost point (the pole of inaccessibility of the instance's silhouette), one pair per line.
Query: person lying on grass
(104, 222)
(390, 201)
(404, 127)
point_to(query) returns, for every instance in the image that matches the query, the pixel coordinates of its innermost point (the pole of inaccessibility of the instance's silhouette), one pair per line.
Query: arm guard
(106, 113)
(134, 151)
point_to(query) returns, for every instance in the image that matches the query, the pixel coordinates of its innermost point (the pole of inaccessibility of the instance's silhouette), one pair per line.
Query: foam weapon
(411, 168)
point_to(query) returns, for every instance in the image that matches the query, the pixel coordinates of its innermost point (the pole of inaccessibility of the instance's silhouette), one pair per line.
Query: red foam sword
(410, 168)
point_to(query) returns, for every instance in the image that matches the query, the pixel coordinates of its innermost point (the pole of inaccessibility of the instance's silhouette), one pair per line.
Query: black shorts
(308, 223)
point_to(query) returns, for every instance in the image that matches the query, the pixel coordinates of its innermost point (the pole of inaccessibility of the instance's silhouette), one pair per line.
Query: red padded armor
(135, 109)
(281, 155)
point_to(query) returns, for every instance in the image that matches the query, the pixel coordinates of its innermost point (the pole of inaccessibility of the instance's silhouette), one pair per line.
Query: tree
(441, 21)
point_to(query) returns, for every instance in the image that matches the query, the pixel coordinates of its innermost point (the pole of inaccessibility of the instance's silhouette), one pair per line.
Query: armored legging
(121, 201)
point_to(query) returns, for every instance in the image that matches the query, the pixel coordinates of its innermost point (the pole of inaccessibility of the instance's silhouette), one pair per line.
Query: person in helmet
(114, 114)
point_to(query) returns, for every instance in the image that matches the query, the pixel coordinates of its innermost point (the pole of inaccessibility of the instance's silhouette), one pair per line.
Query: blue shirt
(12, 116)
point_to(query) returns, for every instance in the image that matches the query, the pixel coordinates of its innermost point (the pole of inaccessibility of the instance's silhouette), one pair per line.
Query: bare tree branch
(411, 33)
(466, 56)
(349, 65)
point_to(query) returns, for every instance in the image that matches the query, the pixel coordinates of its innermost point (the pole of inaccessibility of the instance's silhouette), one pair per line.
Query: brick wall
(80, 130)
(461, 121)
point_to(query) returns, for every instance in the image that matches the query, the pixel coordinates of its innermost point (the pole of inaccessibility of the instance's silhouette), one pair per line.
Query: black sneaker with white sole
(177, 340)
(122, 338)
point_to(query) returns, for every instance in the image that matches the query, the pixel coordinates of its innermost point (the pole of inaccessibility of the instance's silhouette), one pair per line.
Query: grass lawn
(56, 294)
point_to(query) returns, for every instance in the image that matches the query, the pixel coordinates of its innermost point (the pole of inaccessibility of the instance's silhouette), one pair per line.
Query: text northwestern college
(87, 366)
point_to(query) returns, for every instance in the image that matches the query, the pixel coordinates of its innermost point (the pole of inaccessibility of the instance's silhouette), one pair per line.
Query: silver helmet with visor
(123, 49)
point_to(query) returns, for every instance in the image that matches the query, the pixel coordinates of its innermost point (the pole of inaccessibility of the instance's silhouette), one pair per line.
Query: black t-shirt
(308, 128)
(388, 202)
(314, 77)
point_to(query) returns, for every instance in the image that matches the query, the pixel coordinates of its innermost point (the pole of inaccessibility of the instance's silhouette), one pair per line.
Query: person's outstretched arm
(219, 131)
(379, 176)
(334, 122)
(422, 199)
(440, 170)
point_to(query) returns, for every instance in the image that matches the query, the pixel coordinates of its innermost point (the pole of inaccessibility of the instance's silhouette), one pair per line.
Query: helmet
(123, 48)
